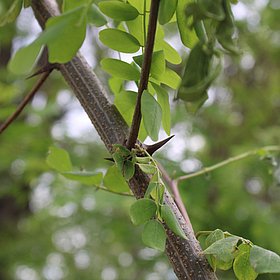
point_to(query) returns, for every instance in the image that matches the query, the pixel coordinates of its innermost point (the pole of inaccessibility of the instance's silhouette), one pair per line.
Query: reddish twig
(173, 185)
(25, 101)
(145, 72)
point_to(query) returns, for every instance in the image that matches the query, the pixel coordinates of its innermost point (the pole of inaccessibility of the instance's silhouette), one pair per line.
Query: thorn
(109, 159)
(154, 147)
(47, 68)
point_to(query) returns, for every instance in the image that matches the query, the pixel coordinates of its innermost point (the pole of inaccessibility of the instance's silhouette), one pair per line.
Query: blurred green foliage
(51, 228)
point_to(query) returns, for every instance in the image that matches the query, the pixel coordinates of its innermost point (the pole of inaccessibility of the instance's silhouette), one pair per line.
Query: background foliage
(52, 228)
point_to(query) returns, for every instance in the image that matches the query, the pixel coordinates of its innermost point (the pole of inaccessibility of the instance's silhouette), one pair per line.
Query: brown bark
(185, 255)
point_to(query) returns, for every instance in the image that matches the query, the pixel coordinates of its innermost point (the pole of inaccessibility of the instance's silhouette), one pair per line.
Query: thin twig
(114, 192)
(145, 72)
(228, 161)
(25, 101)
(176, 194)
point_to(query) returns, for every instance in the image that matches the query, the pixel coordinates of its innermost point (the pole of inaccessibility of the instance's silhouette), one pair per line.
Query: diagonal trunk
(185, 255)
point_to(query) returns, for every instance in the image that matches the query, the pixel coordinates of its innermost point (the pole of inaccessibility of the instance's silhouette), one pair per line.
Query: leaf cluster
(247, 260)
(212, 23)
(113, 181)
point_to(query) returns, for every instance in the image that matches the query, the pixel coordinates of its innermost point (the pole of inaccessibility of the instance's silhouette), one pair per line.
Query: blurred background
(52, 228)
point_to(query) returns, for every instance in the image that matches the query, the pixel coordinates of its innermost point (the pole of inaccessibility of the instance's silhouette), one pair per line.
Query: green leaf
(69, 5)
(145, 160)
(214, 236)
(197, 67)
(113, 180)
(170, 78)
(168, 216)
(116, 85)
(171, 55)
(64, 35)
(87, 178)
(264, 261)
(120, 149)
(154, 235)
(118, 10)
(138, 4)
(148, 168)
(187, 33)
(119, 161)
(128, 169)
(158, 193)
(196, 92)
(136, 29)
(119, 40)
(212, 9)
(12, 13)
(226, 29)
(142, 211)
(214, 262)
(24, 59)
(59, 160)
(194, 106)
(167, 9)
(151, 113)
(158, 63)
(95, 17)
(122, 158)
(241, 266)
(163, 100)
(223, 249)
(120, 69)
(151, 187)
(125, 102)
(198, 74)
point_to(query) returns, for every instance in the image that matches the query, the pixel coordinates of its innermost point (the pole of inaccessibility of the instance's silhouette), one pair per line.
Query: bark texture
(185, 256)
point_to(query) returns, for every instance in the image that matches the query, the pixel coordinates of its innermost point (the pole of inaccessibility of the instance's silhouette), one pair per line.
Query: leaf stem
(144, 23)
(114, 192)
(228, 161)
(145, 72)
(173, 185)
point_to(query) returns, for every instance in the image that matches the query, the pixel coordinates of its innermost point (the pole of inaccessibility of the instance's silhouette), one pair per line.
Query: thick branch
(185, 255)
(145, 72)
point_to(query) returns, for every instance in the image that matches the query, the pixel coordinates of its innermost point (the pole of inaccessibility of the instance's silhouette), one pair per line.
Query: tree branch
(228, 161)
(185, 256)
(25, 101)
(145, 72)
(173, 185)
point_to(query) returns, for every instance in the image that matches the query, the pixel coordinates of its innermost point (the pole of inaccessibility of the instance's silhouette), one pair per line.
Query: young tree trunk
(185, 256)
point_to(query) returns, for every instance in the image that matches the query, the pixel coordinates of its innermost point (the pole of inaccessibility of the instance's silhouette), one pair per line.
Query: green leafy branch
(113, 181)
(150, 210)
(262, 152)
(145, 72)
(226, 250)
